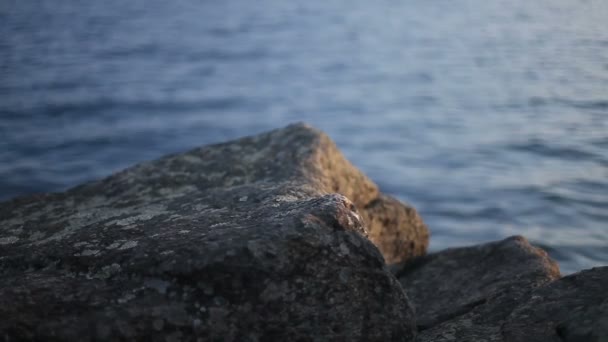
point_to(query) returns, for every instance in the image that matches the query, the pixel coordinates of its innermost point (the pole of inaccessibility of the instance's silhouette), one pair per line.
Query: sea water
(490, 117)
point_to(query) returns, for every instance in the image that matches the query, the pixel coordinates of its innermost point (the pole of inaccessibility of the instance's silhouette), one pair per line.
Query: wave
(551, 149)
(584, 104)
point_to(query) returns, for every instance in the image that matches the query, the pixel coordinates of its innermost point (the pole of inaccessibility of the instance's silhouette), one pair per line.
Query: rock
(465, 294)
(507, 291)
(241, 241)
(572, 309)
(393, 226)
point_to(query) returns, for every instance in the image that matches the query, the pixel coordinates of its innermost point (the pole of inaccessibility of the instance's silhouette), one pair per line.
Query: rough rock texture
(460, 283)
(572, 309)
(504, 291)
(396, 229)
(242, 241)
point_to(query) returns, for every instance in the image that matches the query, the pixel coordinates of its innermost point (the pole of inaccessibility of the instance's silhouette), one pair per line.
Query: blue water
(491, 117)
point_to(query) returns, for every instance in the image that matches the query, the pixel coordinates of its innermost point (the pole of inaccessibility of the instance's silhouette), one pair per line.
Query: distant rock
(251, 240)
(396, 229)
(504, 291)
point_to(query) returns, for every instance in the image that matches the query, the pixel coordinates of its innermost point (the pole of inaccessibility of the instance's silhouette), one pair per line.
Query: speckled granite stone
(251, 240)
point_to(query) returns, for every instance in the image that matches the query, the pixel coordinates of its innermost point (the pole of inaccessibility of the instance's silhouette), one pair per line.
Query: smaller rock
(464, 294)
(395, 228)
(572, 309)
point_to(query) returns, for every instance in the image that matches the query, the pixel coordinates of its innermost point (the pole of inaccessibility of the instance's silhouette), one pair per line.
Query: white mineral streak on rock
(286, 198)
(114, 245)
(128, 244)
(89, 252)
(9, 239)
(190, 158)
(171, 193)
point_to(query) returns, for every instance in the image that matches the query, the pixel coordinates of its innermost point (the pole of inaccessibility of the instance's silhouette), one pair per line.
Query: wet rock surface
(507, 290)
(251, 240)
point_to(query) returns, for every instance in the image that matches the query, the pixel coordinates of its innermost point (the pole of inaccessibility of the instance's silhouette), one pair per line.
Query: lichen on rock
(262, 238)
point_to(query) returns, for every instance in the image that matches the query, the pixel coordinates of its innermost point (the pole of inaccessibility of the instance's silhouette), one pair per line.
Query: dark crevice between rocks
(402, 270)
(560, 331)
(449, 316)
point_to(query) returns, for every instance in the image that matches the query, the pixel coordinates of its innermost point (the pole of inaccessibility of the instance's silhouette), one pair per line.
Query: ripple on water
(492, 122)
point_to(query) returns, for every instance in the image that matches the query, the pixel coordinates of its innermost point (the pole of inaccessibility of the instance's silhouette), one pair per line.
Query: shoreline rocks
(506, 290)
(269, 237)
(457, 281)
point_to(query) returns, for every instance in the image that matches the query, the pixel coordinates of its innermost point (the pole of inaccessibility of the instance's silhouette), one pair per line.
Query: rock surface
(242, 241)
(572, 309)
(396, 229)
(504, 291)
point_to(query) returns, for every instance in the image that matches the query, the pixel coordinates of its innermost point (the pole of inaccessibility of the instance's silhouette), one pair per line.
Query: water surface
(491, 117)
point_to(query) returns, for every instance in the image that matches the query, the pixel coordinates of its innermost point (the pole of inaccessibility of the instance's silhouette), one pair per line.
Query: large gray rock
(242, 241)
(504, 291)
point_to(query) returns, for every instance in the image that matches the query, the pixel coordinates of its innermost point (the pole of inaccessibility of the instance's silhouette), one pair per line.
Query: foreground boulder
(504, 291)
(252, 240)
